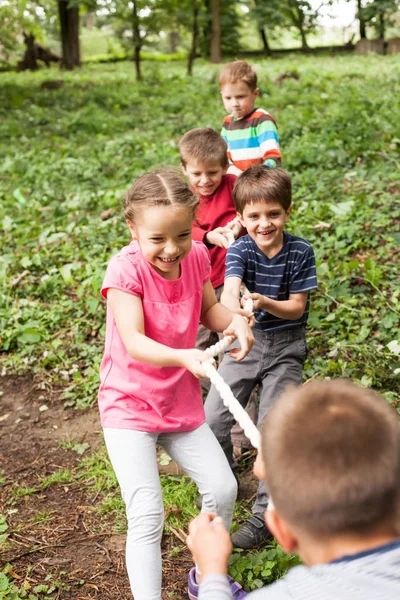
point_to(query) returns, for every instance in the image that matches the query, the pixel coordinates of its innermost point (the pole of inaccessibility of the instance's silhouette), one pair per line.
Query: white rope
(229, 400)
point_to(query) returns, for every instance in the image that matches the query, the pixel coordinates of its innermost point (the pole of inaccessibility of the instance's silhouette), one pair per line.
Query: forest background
(71, 142)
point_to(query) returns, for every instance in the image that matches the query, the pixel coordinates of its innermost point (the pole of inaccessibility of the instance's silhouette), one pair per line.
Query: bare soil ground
(56, 536)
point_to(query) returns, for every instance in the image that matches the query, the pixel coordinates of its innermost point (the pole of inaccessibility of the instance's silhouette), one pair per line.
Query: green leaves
(78, 150)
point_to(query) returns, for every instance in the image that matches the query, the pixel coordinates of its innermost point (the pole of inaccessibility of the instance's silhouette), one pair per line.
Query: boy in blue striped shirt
(278, 269)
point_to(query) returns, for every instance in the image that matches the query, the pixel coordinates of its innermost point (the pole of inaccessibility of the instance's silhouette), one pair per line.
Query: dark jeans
(276, 360)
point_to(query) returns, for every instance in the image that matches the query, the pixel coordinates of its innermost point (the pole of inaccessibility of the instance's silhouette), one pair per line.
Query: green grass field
(67, 156)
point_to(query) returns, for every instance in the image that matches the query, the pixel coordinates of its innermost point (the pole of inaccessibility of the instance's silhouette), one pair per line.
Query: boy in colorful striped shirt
(250, 132)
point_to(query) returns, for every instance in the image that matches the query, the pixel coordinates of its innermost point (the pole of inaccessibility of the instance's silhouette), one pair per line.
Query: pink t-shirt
(133, 394)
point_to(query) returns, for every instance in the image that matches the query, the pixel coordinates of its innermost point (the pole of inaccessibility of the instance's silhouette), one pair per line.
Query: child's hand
(248, 315)
(240, 328)
(192, 359)
(210, 544)
(232, 170)
(217, 237)
(236, 228)
(258, 300)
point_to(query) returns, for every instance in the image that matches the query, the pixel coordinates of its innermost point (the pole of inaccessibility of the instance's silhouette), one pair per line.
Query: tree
(302, 16)
(195, 35)
(69, 27)
(379, 14)
(268, 16)
(215, 46)
(22, 16)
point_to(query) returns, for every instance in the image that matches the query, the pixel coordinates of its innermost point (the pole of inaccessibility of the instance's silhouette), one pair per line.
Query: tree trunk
(363, 33)
(69, 24)
(173, 40)
(381, 26)
(90, 19)
(215, 49)
(30, 57)
(264, 40)
(136, 40)
(195, 35)
(304, 44)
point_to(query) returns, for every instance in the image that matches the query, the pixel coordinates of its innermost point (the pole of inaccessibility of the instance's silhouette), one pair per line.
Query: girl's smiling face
(164, 234)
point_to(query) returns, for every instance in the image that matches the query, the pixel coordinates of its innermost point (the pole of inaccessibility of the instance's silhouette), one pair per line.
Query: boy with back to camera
(330, 456)
(250, 132)
(278, 269)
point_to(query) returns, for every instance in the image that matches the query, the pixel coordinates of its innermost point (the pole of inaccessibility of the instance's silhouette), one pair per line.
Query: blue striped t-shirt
(291, 271)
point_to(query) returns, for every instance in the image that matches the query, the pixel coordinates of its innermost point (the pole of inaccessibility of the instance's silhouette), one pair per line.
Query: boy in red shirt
(204, 161)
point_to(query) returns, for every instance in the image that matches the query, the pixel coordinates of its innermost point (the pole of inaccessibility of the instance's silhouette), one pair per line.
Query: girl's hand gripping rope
(193, 360)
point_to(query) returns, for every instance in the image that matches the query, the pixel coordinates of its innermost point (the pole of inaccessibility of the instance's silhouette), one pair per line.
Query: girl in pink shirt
(158, 289)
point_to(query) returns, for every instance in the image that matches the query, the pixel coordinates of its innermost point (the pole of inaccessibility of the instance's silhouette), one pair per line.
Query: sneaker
(253, 534)
(193, 587)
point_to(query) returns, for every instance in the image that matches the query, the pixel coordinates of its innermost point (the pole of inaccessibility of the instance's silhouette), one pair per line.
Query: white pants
(133, 457)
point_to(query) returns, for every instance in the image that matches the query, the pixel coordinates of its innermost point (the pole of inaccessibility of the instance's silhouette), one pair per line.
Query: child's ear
(288, 213)
(281, 531)
(258, 467)
(256, 93)
(183, 169)
(132, 229)
(240, 219)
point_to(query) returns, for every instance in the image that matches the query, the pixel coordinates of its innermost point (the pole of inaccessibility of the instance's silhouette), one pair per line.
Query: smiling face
(238, 98)
(265, 222)
(164, 234)
(204, 177)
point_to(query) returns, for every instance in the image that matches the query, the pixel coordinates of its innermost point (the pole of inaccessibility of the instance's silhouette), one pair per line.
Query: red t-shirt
(215, 211)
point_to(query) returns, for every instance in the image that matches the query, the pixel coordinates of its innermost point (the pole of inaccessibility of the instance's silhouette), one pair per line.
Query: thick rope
(229, 400)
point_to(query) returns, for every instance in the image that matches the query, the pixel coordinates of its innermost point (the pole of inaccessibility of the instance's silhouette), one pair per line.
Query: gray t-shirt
(369, 575)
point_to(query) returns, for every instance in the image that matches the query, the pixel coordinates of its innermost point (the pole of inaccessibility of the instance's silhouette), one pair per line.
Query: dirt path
(56, 536)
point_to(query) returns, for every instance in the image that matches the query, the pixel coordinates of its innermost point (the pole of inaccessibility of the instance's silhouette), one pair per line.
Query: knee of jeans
(145, 515)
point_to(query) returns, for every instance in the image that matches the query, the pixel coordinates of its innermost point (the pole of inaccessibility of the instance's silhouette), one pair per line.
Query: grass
(76, 149)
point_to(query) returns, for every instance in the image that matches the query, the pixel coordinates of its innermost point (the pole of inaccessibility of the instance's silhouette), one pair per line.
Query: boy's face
(265, 222)
(238, 98)
(204, 177)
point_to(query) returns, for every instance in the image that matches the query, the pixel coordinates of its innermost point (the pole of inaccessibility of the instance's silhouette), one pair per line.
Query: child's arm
(230, 296)
(291, 309)
(217, 317)
(267, 134)
(210, 544)
(217, 237)
(128, 314)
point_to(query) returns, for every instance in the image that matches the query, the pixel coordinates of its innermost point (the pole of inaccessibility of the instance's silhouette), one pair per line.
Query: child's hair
(204, 145)
(261, 183)
(163, 187)
(331, 452)
(238, 70)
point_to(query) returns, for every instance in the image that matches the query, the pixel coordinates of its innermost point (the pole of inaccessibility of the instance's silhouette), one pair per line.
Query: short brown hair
(238, 70)
(331, 452)
(261, 183)
(204, 145)
(163, 187)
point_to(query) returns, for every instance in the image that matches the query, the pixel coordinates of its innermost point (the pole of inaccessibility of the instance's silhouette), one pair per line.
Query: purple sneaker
(193, 587)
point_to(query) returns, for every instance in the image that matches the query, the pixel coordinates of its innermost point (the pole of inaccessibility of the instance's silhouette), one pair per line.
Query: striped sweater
(252, 140)
(370, 575)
